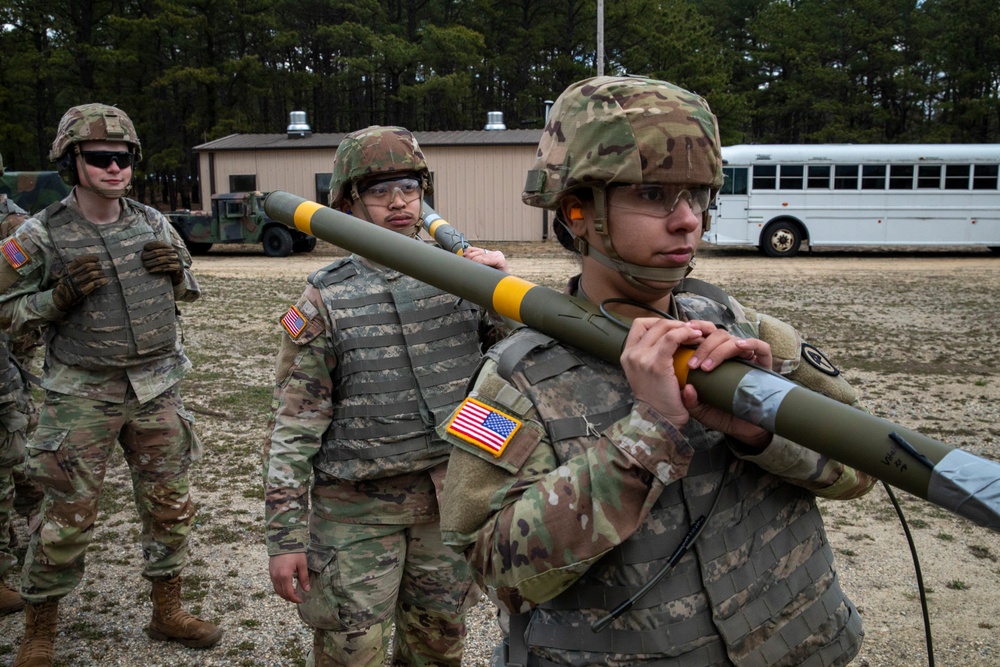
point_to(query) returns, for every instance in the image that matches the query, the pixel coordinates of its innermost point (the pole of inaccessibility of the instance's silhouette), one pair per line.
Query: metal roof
(246, 142)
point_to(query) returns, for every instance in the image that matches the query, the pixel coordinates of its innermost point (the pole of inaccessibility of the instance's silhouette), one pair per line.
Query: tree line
(774, 71)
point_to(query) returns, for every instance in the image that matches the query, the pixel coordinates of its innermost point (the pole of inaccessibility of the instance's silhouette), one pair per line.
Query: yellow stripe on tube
(508, 294)
(303, 215)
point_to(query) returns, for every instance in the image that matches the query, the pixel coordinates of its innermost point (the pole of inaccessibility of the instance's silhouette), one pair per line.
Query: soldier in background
(371, 361)
(102, 275)
(27, 495)
(589, 479)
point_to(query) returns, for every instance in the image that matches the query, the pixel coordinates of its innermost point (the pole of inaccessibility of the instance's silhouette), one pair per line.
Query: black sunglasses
(103, 159)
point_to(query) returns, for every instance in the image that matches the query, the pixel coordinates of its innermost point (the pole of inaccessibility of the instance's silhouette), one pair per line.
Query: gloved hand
(82, 276)
(161, 257)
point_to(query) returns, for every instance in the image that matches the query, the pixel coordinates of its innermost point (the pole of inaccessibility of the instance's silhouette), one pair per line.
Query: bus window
(765, 177)
(873, 177)
(819, 177)
(791, 176)
(845, 177)
(735, 182)
(901, 177)
(985, 177)
(929, 176)
(956, 176)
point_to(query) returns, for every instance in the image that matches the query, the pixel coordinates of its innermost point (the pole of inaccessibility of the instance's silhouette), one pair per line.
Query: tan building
(478, 175)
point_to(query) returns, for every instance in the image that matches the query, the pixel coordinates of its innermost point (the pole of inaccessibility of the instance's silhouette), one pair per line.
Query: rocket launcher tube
(953, 479)
(443, 233)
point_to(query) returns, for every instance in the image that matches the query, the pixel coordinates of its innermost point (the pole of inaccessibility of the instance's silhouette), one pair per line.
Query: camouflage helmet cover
(624, 130)
(372, 151)
(93, 122)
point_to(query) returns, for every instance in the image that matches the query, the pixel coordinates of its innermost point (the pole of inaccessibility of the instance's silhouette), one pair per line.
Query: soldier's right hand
(285, 571)
(83, 275)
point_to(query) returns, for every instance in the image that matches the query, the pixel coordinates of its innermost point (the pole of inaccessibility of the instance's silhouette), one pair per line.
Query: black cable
(916, 569)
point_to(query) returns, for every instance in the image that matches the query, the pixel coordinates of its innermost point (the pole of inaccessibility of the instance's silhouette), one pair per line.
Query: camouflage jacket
(14, 399)
(27, 305)
(381, 477)
(547, 515)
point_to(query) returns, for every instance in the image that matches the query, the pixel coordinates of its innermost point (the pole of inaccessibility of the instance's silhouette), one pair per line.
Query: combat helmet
(372, 151)
(91, 122)
(624, 130)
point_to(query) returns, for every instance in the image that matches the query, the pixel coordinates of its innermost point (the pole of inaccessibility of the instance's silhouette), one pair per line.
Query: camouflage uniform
(590, 492)
(14, 416)
(92, 402)
(370, 361)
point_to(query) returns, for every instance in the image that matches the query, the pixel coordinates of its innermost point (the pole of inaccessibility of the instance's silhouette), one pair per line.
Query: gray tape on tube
(967, 485)
(758, 397)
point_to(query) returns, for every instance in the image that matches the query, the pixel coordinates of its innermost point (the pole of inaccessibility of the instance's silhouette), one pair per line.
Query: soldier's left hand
(161, 257)
(718, 346)
(492, 258)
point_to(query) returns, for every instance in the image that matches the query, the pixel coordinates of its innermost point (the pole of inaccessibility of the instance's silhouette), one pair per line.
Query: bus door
(729, 215)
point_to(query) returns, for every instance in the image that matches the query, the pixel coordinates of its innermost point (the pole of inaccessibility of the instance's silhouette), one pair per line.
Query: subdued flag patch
(15, 256)
(483, 426)
(293, 322)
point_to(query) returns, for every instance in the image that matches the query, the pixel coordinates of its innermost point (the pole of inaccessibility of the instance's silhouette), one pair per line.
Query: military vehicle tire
(307, 244)
(196, 248)
(277, 241)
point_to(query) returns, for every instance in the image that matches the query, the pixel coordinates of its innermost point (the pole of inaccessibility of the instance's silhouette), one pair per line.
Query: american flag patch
(483, 426)
(293, 322)
(14, 254)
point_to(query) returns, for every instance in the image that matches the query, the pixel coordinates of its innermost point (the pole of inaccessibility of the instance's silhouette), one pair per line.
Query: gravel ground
(917, 333)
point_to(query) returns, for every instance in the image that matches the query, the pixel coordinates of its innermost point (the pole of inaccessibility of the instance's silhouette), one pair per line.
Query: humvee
(33, 190)
(238, 217)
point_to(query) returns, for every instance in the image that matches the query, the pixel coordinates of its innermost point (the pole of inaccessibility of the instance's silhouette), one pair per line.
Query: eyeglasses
(384, 192)
(103, 159)
(660, 200)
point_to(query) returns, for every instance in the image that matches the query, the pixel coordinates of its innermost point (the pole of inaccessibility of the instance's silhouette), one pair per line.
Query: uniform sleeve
(27, 302)
(531, 528)
(302, 412)
(807, 366)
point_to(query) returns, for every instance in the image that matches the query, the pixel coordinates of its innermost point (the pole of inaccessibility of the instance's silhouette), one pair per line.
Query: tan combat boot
(10, 600)
(170, 622)
(39, 635)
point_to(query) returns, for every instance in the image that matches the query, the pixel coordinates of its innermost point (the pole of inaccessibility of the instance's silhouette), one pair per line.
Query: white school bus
(777, 196)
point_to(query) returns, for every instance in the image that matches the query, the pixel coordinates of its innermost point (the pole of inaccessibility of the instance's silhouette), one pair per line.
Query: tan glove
(82, 276)
(161, 257)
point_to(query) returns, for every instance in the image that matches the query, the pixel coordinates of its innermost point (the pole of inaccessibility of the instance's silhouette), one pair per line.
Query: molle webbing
(134, 314)
(762, 551)
(404, 352)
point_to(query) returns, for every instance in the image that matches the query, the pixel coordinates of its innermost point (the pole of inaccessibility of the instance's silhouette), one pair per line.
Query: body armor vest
(758, 588)
(130, 320)
(405, 351)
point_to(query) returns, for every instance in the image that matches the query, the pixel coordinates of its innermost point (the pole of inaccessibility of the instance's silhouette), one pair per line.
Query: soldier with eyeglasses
(371, 361)
(102, 275)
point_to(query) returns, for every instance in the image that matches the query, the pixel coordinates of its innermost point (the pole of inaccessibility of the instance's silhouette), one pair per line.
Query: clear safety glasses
(384, 193)
(659, 200)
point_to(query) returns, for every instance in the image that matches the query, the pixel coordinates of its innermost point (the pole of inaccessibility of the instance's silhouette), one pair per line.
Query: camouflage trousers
(365, 578)
(68, 455)
(11, 455)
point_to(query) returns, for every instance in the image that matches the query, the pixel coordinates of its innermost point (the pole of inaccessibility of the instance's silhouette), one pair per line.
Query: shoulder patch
(818, 360)
(14, 254)
(483, 426)
(294, 322)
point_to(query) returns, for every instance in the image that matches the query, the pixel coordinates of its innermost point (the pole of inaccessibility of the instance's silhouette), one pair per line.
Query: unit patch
(15, 256)
(818, 360)
(293, 322)
(483, 426)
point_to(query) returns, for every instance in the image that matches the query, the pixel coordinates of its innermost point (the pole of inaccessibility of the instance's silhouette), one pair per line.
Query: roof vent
(494, 121)
(297, 125)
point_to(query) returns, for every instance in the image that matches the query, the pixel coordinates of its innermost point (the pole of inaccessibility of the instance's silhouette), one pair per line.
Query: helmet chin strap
(634, 274)
(107, 193)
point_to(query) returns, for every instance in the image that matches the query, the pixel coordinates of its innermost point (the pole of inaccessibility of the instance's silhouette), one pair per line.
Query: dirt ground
(918, 333)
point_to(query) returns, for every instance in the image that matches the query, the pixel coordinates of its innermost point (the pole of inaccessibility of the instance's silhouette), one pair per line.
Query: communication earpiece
(576, 213)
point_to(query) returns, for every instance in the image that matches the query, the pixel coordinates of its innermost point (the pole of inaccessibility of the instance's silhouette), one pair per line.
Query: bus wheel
(781, 239)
